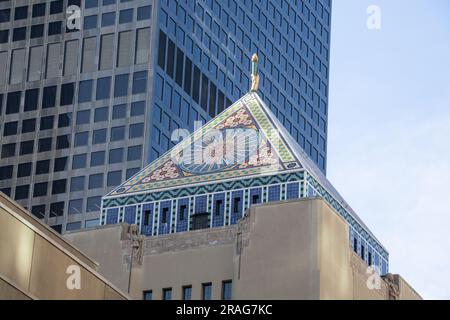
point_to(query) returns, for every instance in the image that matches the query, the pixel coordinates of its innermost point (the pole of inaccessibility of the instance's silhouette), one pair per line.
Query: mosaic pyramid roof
(276, 152)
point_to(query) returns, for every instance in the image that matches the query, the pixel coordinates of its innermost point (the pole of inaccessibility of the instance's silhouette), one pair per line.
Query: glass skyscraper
(81, 110)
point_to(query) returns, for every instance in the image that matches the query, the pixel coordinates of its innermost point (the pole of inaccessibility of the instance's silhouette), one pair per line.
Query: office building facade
(84, 108)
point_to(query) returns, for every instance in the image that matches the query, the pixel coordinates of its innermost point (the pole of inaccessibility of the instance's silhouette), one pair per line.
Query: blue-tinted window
(206, 291)
(77, 184)
(148, 295)
(83, 117)
(95, 181)
(90, 22)
(119, 111)
(103, 88)
(140, 82)
(117, 133)
(144, 13)
(107, 2)
(134, 153)
(91, 4)
(85, 91)
(73, 226)
(136, 130)
(79, 161)
(274, 193)
(126, 16)
(93, 204)
(187, 293)
(114, 178)
(75, 206)
(97, 158)
(167, 294)
(108, 19)
(99, 136)
(115, 155)
(81, 139)
(121, 85)
(226, 290)
(137, 108)
(31, 99)
(101, 114)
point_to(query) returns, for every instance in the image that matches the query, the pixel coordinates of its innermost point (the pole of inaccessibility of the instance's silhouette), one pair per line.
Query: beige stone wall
(287, 250)
(33, 264)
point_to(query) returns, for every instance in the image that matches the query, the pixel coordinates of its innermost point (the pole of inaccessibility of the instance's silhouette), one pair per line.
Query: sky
(389, 131)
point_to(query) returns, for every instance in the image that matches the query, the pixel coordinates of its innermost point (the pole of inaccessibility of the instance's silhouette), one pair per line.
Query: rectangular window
(67, 92)
(206, 291)
(65, 120)
(44, 144)
(42, 167)
(170, 58)
(8, 150)
(40, 189)
(85, 91)
(101, 114)
(124, 49)
(140, 82)
(121, 85)
(17, 66)
(103, 88)
(162, 50)
(144, 13)
(31, 99)
(59, 186)
(35, 63)
(183, 210)
(54, 28)
(10, 128)
(148, 295)
(180, 67)
(196, 85)
(88, 63)
(126, 16)
(28, 125)
(57, 209)
(226, 290)
(24, 170)
(187, 293)
(26, 147)
(106, 51)
(46, 123)
(218, 207)
(142, 45)
(13, 102)
(53, 56)
(167, 294)
(60, 164)
(71, 57)
(22, 192)
(49, 97)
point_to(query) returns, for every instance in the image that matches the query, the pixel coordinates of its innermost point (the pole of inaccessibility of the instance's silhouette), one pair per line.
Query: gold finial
(255, 74)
